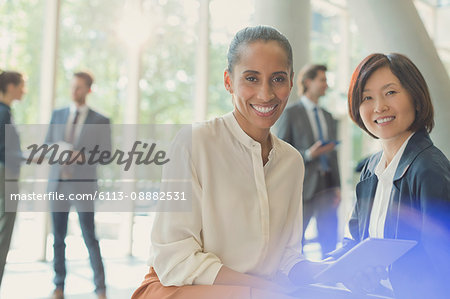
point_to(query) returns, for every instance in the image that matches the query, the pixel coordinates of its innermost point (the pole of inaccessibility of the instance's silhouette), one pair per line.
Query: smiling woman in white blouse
(243, 234)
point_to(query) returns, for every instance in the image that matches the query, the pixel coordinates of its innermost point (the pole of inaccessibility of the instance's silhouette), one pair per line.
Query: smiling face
(260, 84)
(387, 109)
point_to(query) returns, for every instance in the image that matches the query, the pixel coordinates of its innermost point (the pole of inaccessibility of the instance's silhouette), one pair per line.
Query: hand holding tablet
(371, 252)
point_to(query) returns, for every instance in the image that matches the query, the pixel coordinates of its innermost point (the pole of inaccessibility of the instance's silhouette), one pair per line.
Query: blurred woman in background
(12, 87)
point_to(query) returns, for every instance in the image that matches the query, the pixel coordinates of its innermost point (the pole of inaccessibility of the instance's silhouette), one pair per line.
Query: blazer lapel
(330, 126)
(418, 142)
(365, 192)
(64, 116)
(87, 121)
(304, 123)
(391, 223)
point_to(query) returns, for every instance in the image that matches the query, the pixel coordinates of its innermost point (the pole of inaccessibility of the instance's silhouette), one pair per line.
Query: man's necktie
(67, 170)
(70, 138)
(323, 158)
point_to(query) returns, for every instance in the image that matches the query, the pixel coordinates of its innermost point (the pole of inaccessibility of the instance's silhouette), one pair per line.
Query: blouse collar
(238, 132)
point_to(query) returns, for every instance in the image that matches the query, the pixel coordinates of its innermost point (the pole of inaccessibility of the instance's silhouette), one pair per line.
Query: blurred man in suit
(73, 127)
(313, 132)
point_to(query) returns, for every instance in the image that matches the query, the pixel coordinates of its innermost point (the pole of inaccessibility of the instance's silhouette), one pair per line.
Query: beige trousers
(152, 288)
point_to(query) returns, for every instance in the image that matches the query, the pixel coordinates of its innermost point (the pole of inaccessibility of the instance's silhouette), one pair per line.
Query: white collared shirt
(310, 105)
(245, 215)
(385, 184)
(83, 110)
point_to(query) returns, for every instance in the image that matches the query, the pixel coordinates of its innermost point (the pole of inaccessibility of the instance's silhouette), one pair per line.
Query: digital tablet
(371, 252)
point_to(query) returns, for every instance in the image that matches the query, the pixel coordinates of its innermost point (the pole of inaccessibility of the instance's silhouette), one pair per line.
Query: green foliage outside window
(21, 25)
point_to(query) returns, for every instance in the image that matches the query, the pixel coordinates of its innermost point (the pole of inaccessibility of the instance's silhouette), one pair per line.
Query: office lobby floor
(33, 280)
(25, 278)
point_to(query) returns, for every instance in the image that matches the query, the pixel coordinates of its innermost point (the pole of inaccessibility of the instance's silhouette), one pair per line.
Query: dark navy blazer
(12, 148)
(419, 209)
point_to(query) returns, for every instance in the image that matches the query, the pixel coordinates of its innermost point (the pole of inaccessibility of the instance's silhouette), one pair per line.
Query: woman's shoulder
(370, 164)
(431, 161)
(286, 150)
(208, 128)
(198, 133)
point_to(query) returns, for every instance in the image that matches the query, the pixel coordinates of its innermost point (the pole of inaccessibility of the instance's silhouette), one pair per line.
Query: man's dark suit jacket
(419, 209)
(88, 138)
(294, 128)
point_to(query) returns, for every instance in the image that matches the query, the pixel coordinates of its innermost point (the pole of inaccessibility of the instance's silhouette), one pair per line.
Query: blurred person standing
(67, 127)
(313, 132)
(12, 87)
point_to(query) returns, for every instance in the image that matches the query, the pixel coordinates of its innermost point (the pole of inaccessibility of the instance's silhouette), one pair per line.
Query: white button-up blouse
(245, 215)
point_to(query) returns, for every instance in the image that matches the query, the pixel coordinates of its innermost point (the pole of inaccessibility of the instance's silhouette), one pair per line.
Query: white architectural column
(293, 19)
(135, 32)
(343, 72)
(131, 109)
(47, 97)
(202, 64)
(49, 58)
(345, 149)
(131, 116)
(395, 26)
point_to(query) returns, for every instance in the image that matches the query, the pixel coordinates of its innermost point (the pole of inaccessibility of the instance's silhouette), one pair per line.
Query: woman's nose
(380, 106)
(265, 92)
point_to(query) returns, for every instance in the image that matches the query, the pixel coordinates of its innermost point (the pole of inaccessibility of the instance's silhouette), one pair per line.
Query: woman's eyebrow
(251, 71)
(280, 73)
(257, 73)
(388, 85)
(382, 87)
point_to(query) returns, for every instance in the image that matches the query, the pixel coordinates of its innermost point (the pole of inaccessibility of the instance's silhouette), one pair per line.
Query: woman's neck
(391, 146)
(262, 136)
(265, 149)
(266, 145)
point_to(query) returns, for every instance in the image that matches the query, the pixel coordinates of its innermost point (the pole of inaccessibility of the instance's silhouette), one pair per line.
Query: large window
(89, 40)
(21, 24)
(436, 18)
(227, 17)
(168, 62)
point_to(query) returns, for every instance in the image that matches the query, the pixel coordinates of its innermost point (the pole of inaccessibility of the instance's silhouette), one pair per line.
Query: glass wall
(21, 24)
(168, 62)
(89, 40)
(96, 35)
(227, 17)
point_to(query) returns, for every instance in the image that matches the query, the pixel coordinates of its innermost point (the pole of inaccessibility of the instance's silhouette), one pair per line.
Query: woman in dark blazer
(404, 190)
(12, 88)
